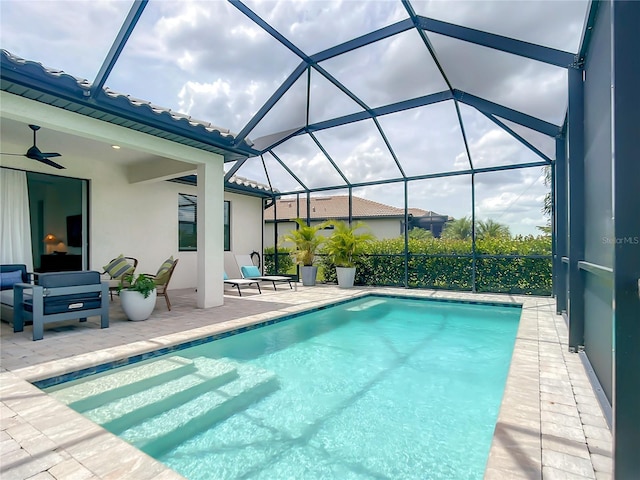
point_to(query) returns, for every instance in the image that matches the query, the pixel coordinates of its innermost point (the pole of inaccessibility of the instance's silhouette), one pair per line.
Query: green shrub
(286, 263)
(448, 264)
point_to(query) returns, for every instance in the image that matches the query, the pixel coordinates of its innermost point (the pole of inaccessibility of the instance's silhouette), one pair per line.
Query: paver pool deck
(550, 424)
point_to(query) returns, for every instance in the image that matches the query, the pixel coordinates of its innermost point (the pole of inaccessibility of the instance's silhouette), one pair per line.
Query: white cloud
(207, 59)
(67, 35)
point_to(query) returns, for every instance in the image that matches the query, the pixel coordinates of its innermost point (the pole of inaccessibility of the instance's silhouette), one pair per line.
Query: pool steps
(156, 415)
(90, 394)
(164, 432)
(122, 413)
(365, 305)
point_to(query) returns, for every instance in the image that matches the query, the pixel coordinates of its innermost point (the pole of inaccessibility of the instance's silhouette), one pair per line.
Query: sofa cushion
(8, 279)
(67, 303)
(6, 297)
(68, 279)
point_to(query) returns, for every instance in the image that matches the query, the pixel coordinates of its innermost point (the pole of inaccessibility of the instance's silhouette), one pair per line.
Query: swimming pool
(374, 388)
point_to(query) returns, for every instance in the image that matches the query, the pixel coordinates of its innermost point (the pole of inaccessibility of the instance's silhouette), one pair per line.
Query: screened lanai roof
(315, 95)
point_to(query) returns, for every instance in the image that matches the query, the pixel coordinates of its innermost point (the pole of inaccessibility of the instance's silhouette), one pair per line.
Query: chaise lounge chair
(236, 282)
(251, 272)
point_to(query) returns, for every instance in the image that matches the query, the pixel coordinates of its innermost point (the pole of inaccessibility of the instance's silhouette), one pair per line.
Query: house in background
(384, 221)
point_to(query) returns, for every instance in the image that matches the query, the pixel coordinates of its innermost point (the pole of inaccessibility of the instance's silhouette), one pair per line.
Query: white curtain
(15, 223)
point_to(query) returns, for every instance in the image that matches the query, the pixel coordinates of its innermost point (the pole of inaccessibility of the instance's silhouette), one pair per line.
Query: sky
(210, 61)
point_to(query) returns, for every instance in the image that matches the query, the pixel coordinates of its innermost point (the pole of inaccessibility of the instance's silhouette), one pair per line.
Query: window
(227, 226)
(188, 220)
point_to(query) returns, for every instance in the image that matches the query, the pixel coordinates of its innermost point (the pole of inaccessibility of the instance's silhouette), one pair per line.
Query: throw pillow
(163, 272)
(250, 271)
(8, 279)
(118, 267)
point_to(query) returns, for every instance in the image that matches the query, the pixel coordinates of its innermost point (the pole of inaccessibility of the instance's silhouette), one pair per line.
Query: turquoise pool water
(377, 388)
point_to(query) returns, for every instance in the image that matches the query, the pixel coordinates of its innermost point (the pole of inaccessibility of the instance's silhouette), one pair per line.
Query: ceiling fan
(34, 152)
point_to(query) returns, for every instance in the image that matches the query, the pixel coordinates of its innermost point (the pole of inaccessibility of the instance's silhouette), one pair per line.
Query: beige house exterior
(130, 206)
(384, 221)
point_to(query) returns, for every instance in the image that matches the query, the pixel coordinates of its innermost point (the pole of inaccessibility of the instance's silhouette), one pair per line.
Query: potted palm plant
(343, 247)
(306, 241)
(137, 296)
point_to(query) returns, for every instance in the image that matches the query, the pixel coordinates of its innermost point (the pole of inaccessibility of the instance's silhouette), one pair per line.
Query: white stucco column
(210, 234)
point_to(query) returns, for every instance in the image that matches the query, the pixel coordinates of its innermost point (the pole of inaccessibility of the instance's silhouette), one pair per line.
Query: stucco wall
(246, 229)
(136, 219)
(382, 229)
(141, 220)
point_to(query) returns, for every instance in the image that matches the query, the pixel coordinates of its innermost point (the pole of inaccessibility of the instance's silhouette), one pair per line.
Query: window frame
(226, 219)
(194, 230)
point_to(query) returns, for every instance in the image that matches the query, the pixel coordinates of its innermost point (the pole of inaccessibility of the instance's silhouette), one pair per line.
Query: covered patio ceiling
(316, 96)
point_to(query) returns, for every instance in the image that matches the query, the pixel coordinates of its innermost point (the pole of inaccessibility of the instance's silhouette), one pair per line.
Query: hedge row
(445, 264)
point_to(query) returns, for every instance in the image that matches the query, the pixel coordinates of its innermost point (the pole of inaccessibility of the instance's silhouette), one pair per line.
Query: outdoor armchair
(117, 269)
(163, 277)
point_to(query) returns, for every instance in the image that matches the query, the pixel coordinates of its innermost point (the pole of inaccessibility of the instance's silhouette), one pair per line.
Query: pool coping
(518, 446)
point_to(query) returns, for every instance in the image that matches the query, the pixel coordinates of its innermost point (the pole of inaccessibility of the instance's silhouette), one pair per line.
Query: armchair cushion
(118, 267)
(162, 275)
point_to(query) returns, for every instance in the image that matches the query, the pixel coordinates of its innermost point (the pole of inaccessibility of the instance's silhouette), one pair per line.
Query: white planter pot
(346, 276)
(309, 274)
(135, 306)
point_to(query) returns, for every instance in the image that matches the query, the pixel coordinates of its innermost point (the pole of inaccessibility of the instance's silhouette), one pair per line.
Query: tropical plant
(547, 206)
(344, 245)
(141, 283)
(418, 233)
(459, 229)
(490, 228)
(306, 241)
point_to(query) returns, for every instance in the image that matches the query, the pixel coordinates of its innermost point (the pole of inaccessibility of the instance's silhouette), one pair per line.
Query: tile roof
(246, 182)
(337, 207)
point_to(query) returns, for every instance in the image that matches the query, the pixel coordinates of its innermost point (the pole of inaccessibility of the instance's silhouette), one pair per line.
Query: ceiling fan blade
(34, 152)
(14, 154)
(50, 163)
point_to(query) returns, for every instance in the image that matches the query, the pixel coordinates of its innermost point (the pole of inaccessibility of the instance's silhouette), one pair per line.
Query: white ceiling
(17, 137)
